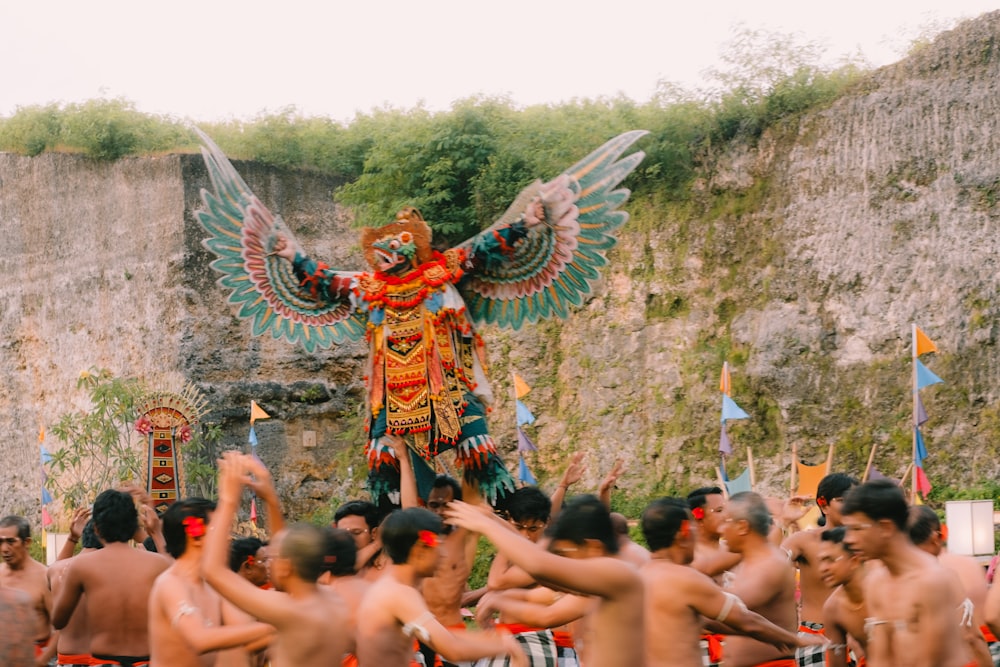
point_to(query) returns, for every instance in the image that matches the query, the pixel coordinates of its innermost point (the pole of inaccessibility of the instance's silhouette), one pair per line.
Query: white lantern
(970, 527)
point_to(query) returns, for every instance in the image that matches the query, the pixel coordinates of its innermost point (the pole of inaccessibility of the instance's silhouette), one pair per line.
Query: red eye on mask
(394, 244)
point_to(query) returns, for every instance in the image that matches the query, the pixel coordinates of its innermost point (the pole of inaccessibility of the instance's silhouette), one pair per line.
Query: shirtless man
(529, 511)
(360, 519)
(73, 645)
(844, 611)
(393, 614)
(914, 603)
(246, 558)
(628, 550)
(803, 549)
(186, 621)
(309, 619)
(581, 559)
(678, 596)
(764, 580)
(17, 618)
(19, 570)
(340, 553)
(710, 556)
(114, 584)
(928, 534)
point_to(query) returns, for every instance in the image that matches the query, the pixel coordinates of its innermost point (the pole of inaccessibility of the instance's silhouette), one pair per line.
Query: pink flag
(923, 484)
(46, 519)
(253, 511)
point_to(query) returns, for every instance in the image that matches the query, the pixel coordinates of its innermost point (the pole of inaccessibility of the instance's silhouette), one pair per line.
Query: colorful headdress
(407, 220)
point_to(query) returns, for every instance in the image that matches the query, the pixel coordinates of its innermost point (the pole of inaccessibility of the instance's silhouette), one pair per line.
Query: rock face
(817, 248)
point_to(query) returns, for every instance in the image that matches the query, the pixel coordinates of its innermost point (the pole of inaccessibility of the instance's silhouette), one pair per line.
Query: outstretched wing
(555, 263)
(242, 233)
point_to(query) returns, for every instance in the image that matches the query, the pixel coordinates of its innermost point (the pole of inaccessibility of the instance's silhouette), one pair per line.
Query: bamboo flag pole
(795, 463)
(753, 474)
(868, 468)
(722, 482)
(913, 459)
(906, 474)
(829, 459)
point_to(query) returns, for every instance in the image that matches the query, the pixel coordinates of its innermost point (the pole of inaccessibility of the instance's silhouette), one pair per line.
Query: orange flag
(521, 388)
(924, 344)
(256, 412)
(725, 383)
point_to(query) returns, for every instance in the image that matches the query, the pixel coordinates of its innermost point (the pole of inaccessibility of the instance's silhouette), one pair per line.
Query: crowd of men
(724, 580)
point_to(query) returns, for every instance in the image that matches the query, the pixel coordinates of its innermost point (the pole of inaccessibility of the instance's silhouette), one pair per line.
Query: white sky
(216, 59)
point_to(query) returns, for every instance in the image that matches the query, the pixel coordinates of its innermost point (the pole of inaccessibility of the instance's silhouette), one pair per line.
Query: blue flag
(740, 484)
(46, 496)
(925, 377)
(524, 415)
(253, 437)
(921, 448)
(732, 411)
(524, 474)
(46, 457)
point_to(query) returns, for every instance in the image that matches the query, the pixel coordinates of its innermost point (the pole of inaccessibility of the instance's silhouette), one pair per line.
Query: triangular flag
(921, 448)
(732, 411)
(917, 500)
(524, 444)
(524, 415)
(252, 439)
(46, 457)
(521, 387)
(46, 519)
(924, 344)
(923, 484)
(46, 496)
(921, 413)
(257, 413)
(253, 511)
(740, 484)
(925, 377)
(722, 469)
(524, 474)
(41, 433)
(725, 382)
(725, 446)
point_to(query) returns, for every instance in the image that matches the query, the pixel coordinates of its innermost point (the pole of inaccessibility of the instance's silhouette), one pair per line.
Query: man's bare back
(116, 581)
(74, 639)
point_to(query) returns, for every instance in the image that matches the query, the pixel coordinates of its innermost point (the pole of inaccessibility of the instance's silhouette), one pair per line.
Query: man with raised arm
(114, 584)
(309, 619)
(915, 605)
(19, 570)
(803, 549)
(581, 558)
(844, 611)
(764, 580)
(393, 614)
(186, 618)
(679, 598)
(73, 644)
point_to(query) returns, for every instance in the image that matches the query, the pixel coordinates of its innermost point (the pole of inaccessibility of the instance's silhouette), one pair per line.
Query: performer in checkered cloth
(679, 598)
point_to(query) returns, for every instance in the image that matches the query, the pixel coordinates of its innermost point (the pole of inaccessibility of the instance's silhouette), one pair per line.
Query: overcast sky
(216, 59)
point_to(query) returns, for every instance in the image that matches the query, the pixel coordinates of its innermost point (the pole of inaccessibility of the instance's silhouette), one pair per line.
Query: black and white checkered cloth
(538, 645)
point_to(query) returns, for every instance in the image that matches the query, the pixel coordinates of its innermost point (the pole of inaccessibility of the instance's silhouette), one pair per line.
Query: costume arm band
(731, 601)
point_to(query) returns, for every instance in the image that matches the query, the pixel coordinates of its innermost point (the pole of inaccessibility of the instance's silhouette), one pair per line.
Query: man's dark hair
(339, 552)
(662, 519)
(400, 529)
(529, 503)
(878, 499)
(697, 497)
(173, 522)
(585, 518)
(241, 549)
(88, 538)
(367, 510)
(834, 535)
(303, 546)
(922, 522)
(442, 481)
(19, 522)
(835, 485)
(115, 516)
(750, 506)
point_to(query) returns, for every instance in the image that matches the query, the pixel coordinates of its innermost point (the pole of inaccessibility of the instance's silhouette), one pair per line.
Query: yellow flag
(725, 383)
(924, 344)
(256, 412)
(521, 387)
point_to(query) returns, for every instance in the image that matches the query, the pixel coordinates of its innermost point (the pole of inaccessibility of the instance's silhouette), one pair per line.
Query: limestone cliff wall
(813, 252)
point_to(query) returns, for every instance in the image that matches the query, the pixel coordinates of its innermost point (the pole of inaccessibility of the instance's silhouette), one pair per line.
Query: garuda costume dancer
(417, 308)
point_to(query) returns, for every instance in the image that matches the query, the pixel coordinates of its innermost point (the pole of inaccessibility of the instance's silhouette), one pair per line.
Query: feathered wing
(242, 233)
(554, 266)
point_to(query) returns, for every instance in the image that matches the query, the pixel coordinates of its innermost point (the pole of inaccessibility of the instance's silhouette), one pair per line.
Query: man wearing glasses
(19, 570)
